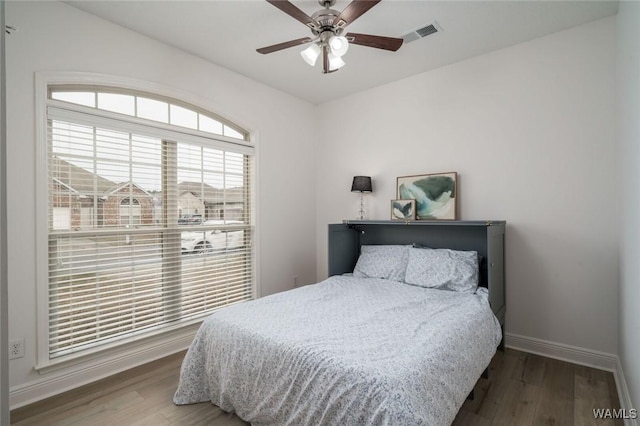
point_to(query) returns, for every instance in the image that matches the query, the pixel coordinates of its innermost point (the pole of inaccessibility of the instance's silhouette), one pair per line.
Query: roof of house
(201, 190)
(211, 195)
(119, 187)
(78, 179)
(83, 182)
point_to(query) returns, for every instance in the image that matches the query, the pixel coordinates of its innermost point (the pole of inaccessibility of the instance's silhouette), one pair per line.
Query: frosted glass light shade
(339, 45)
(311, 53)
(335, 62)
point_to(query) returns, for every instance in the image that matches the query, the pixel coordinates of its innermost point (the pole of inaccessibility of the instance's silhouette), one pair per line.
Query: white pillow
(443, 268)
(382, 261)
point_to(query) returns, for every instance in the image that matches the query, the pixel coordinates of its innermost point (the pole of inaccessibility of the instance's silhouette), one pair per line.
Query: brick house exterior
(83, 200)
(210, 202)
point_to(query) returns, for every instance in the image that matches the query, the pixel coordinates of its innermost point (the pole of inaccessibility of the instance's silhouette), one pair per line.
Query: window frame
(113, 83)
(156, 97)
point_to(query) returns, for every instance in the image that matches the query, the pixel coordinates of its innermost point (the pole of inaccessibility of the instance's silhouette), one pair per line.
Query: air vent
(421, 32)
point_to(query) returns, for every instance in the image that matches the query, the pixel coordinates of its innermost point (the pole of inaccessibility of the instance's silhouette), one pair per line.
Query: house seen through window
(149, 216)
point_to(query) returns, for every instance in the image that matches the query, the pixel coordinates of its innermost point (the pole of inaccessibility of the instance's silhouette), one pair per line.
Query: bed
(364, 346)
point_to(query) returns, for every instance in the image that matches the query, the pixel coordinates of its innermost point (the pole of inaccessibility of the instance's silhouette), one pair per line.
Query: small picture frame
(403, 209)
(435, 194)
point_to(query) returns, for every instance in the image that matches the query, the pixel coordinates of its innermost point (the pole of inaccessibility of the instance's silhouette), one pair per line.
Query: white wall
(52, 36)
(629, 138)
(530, 129)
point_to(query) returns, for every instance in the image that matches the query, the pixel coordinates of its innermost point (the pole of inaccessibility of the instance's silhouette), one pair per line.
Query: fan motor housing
(325, 18)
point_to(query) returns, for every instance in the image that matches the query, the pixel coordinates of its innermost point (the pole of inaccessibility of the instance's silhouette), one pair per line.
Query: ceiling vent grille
(421, 32)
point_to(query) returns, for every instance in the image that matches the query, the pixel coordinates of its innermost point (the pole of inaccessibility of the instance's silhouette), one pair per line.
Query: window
(149, 216)
(144, 106)
(130, 212)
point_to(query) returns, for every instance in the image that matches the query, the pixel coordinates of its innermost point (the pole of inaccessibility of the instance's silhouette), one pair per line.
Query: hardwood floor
(522, 389)
(526, 389)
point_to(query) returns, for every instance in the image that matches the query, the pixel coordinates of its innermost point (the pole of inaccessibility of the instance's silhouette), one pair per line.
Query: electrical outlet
(16, 349)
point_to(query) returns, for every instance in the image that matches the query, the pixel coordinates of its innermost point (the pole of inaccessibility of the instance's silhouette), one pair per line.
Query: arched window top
(147, 106)
(130, 201)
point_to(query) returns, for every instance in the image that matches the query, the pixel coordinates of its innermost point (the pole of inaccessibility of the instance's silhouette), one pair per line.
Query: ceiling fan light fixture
(335, 62)
(311, 54)
(327, 26)
(339, 45)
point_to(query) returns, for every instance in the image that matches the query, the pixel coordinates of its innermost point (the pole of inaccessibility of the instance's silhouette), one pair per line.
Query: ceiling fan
(327, 26)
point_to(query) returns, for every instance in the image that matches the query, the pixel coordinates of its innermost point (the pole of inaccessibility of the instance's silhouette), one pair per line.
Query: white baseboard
(623, 394)
(84, 373)
(573, 354)
(581, 356)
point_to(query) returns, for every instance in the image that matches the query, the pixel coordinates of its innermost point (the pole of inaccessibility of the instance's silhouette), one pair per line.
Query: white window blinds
(147, 227)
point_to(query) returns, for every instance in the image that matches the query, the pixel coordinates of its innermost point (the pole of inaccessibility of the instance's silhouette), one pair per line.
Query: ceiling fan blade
(353, 11)
(379, 42)
(285, 45)
(293, 11)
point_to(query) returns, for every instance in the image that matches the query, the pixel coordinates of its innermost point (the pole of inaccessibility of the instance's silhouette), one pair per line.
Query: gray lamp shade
(361, 184)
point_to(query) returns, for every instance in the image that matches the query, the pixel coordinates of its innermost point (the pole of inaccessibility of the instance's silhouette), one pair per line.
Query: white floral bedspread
(346, 351)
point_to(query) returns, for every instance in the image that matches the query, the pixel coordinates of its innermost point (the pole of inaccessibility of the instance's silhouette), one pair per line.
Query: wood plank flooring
(522, 389)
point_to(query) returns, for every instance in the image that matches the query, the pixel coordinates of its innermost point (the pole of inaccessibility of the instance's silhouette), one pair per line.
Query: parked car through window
(213, 240)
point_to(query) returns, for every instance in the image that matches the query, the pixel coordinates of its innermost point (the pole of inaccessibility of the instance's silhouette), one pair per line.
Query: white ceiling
(227, 33)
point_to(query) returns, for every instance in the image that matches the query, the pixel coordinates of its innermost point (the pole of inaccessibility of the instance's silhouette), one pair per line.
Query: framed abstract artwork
(403, 209)
(434, 194)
